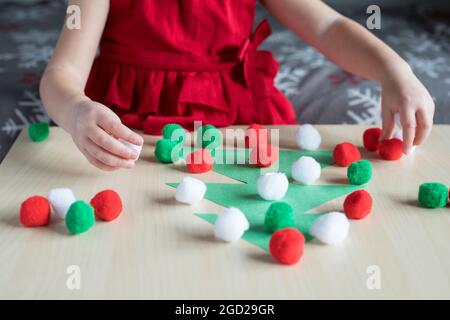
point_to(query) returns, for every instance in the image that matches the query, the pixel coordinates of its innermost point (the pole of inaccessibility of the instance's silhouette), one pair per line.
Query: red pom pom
(358, 204)
(391, 149)
(264, 155)
(35, 212)
(199, 161)
(107, 205)
(255, 135)
(371, 139)
(345, 153)
(286, 245)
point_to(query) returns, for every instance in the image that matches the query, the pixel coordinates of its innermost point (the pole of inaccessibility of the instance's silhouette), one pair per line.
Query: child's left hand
(403, 93)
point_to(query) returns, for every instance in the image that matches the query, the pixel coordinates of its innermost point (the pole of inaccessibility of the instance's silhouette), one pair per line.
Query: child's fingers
(408, 120)
(119, 130)
(111, 144)
(105, 157)
(424, 124)
(388, 124)
(95, 162)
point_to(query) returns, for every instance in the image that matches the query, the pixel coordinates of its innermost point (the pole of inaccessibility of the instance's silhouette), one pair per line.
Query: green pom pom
(359, 172)
(433, 195)
(38, 131)
(174, 132)
(209, 135)
(164, 151)
(280, 215)
(80, 217)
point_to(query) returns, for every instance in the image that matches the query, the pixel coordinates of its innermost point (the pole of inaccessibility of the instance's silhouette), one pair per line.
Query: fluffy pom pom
(272, 185)
(199, 161)
(256, 135)
(359, 172)
(132, 146)
(230, 225)
(80, 217)
(330, 228)
(358, 204)
(264, 155)
(278, 216)
(61, 199)
(107, 205)
(165, 151)
(190, 191)
(371, 139)
(38, 131)
(35, 212)
(174, 132)
(286, 246)
(306, 170)
(345, 153)
(391, 149)
(209, 137)
(433, 195)
(308, 138)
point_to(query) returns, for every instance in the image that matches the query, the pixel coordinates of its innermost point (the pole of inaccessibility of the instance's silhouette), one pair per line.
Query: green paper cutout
(244, 196)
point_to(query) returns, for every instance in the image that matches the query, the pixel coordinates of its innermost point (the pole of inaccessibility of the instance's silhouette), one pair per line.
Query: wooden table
(159, 249)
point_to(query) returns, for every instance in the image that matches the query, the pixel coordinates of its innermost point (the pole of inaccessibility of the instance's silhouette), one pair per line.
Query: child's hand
(95, 129)
(403, 93)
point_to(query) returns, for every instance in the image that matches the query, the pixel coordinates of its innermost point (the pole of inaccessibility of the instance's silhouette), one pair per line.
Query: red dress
(180, 61)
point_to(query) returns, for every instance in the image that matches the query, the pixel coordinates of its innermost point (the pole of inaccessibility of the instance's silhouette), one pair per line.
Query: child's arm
(356, 50)
(62, 91)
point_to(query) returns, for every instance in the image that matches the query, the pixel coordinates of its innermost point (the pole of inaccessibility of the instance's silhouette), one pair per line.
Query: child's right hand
(95, 129)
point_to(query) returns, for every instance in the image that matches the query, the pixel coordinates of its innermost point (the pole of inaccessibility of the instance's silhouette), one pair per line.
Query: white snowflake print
(6, 56)
(417, 42)
(40, 37)
(31, 55)
(368, 105)
(307, 55)
(433, 67)
(288, 80)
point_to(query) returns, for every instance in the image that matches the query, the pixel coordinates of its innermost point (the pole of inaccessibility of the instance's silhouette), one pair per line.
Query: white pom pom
(190, 191)
(230, 225)
(180, 162)
(131, 146)
(61, 199)
(272, 186)
(330, 228)
(308, 138)
(306, 170)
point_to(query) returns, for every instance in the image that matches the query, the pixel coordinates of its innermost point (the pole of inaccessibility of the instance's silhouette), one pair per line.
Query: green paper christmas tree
(243, 194)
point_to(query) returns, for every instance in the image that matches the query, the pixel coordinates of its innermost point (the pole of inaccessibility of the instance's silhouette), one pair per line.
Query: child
(166, 61)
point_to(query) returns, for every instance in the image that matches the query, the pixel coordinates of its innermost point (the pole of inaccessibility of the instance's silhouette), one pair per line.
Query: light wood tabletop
(158, 249)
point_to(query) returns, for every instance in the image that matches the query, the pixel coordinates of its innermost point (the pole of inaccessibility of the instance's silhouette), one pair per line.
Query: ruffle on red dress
(149, 89)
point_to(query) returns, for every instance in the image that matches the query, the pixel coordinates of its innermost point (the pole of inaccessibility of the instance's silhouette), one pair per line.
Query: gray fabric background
(320, 91)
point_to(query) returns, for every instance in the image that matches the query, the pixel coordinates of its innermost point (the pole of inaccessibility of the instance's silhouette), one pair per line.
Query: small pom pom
(61, 199)
(359, 172)
(330, 228)
(38, 131)
(132, 146)
(358, 204)
(433, 195)
(371, 139)
(256, 135)
(272, 186)
(107, 205)
(345, 153)
(174, 132)
(308, 138)
(306, 170)
(264, 155)
(35, 212)
(190, 191)
(286, 246)
(391, 149)
(230, 225)
(209, 137)
(80, 217)
(199, 161)
(167, 151)
(278, 216)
